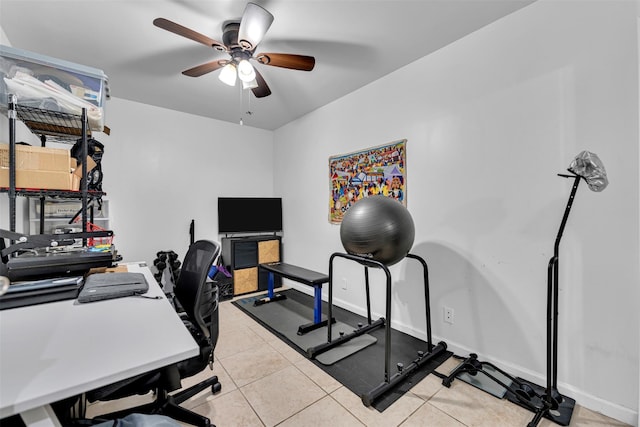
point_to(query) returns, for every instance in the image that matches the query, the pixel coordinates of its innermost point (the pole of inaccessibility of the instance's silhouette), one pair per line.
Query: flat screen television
(249, 214)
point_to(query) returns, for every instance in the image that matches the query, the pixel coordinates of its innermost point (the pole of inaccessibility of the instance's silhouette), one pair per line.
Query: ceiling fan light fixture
(239, 40)
(254, 25)
(228, 74)
(246, 71)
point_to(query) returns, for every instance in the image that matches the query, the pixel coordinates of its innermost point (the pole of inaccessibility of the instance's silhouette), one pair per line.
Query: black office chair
(199, 300)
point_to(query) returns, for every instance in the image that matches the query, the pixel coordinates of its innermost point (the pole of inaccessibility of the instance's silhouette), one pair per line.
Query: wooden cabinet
(242, 255)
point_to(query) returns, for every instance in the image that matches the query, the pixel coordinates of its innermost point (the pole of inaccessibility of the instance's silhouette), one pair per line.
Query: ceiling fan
(239, 41)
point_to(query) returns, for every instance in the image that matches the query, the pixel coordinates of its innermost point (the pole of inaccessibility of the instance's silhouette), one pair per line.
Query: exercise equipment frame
(423, 357)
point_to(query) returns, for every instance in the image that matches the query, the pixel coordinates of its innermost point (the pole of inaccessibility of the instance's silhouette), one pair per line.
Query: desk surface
(295, 273)
(53, 351)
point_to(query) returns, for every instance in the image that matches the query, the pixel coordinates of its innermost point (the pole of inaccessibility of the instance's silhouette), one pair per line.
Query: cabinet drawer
(245, 254)
(268, 251)
(245, 280)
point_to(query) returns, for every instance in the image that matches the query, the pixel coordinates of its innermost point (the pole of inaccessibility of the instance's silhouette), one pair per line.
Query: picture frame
(363, 173)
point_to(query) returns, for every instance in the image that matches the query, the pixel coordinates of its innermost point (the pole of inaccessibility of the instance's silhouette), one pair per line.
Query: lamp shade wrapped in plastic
(589, 166)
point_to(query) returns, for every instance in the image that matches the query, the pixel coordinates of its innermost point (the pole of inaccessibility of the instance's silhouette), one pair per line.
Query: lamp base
(560, 415)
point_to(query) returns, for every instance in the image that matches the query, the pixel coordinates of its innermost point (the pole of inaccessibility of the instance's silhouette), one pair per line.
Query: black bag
(225, 286)
(95, 149)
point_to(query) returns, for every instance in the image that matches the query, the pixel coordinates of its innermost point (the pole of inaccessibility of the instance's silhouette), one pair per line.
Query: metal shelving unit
(61, 127)
(64, 127)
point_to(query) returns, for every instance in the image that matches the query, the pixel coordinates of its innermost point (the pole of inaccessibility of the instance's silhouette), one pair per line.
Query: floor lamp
(546, 401)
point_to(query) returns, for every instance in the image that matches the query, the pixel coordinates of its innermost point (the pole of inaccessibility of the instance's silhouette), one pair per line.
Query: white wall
(163, 168)
(3, 38)
(490, 120)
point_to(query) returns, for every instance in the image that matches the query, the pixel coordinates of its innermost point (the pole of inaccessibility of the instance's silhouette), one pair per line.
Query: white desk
(52, 351)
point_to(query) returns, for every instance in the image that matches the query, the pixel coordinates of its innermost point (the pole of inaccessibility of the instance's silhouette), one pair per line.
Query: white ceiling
(354, 42)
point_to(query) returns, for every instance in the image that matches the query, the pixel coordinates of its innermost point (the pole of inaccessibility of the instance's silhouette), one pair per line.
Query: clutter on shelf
(53, 84)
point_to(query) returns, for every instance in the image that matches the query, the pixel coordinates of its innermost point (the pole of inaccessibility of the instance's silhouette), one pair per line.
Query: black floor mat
(364, 370)
(285, 316)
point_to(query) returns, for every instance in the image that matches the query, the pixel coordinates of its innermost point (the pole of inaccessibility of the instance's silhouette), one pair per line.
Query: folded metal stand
(544, 402)
(21, 242)
(24, 259)
(423, 357)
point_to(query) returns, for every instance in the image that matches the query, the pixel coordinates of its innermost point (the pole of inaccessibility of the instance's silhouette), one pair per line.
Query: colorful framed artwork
(373, 171)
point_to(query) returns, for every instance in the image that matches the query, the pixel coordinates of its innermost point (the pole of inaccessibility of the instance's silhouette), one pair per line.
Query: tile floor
(267, 383)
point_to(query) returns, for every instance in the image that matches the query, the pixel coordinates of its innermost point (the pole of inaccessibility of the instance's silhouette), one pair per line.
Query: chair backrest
(198, 297)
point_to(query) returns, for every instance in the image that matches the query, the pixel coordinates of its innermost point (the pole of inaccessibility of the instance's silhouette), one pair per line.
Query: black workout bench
(300, 275)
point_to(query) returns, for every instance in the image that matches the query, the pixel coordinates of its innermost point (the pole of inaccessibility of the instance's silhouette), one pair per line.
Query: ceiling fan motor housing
(230, 34)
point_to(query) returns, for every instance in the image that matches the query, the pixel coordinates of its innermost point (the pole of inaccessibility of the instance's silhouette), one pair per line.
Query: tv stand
(252, 235)
(242, 255)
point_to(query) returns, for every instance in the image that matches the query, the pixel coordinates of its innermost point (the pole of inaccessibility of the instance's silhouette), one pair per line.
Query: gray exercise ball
(379, 228)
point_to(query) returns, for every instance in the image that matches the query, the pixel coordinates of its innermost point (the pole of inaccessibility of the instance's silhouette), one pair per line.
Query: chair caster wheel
(216, 388)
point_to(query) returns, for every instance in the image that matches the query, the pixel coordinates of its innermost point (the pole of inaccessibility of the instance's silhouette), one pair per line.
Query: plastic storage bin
(53, 84)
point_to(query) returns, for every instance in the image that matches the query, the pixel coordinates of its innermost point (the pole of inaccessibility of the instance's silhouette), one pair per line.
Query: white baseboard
(581, 397)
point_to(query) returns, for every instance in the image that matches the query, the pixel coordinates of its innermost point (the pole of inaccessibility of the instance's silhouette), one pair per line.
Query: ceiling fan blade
(263, 89)
(286, 60)
(178, 29)
(254, 25)
(203, 69)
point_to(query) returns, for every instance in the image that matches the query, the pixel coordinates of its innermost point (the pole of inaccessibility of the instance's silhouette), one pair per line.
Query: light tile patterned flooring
(267, 383)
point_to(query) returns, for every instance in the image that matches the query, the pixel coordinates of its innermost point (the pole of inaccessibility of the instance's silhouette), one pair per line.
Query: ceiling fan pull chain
(241, 107)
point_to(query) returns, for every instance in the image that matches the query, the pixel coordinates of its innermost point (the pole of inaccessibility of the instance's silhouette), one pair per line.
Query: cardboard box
(41, 180)
(37, 167)
(76, 172)
(37, 158)
(77, 168)
(75, 182)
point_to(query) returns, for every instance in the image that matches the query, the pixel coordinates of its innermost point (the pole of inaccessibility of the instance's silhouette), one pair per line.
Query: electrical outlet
(344, 283)
(448, 315)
